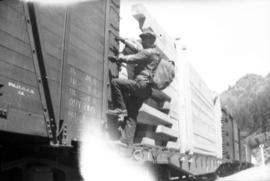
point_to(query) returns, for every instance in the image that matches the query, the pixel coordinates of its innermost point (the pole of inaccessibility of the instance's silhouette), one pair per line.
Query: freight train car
(231, 138)
(235, 152)
(53, 68)
(56, 77)
(235, 156)
(234, 149)
(188, 112)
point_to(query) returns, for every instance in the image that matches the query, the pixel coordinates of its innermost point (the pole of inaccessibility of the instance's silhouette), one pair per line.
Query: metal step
(165, 133)
(173, 145)
(166, 107)
(160, 96)
(151, 116)
(148, 141)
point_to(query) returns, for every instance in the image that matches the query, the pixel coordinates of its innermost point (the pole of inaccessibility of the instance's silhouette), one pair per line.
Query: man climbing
(138, 89)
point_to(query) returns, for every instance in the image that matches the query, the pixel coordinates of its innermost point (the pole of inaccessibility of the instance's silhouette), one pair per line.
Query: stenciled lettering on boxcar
(84, 95)
(22, 90)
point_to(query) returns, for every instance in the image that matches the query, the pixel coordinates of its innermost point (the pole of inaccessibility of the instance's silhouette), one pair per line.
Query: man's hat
(148, 33)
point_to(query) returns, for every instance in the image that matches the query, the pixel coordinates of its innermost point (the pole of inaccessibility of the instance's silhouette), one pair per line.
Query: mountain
(249, 103)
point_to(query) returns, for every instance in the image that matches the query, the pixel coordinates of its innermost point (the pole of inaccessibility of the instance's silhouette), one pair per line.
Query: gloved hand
(113, 59)
(121, 58)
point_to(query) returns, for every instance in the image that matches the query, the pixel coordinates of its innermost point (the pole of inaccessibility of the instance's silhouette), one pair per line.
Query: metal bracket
(3, 113)
(62, 133)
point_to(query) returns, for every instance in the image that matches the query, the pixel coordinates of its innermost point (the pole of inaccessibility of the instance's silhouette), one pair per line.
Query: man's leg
(119, 88)
(135, 102)
(129, 126)
(139, 91)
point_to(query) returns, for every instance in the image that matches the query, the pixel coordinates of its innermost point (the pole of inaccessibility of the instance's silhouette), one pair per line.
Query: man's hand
(121, 58)
(115, 59)
(112, 58)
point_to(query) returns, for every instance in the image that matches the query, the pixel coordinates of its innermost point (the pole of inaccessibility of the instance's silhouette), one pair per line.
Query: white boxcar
(200, 112)
(192, 125)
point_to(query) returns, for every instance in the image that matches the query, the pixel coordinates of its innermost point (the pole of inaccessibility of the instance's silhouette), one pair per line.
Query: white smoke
(100, 160)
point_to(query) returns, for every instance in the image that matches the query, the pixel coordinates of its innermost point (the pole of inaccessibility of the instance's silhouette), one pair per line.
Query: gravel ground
(261, 173)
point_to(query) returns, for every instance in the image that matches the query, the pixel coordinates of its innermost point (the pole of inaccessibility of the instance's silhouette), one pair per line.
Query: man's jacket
(146, 62)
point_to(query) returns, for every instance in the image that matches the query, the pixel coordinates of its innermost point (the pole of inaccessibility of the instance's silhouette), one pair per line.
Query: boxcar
(54, 69)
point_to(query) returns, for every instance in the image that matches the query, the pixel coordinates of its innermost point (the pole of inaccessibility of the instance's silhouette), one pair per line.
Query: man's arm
(141, 56)
(128, 44)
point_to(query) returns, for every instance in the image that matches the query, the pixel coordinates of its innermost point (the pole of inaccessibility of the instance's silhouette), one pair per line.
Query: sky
(225, 39)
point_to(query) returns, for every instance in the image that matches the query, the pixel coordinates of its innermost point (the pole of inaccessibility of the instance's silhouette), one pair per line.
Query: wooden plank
(90, 41)
(151, 116)
(85, 49)
(89, 36)
(14, 26)
(165, 133)
(85, 63)
(82, 86)
(96, 10)
(53, 13)
(148, 141)
(82, 106)
(79, 95)
(77, 114)
(14, 4)
(52, 44)
(53, 74)
(18, 74)
(51, 50)
(94, 24)
(15, 44)
(20, 95)
(84, 77)
(14, 30)
(23, 122)
(10, 14)
(98, 5)
(52, 38)
(173, 145)
(50, 24)
(95, 58)
(51, 61)
(160, 96)
(75, 105)
(17, 59)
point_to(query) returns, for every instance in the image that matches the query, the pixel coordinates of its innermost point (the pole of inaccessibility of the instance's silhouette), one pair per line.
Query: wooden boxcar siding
(204, 119)
(21, 96)
(236, 141)
(230, 138)
(80, 73)
(75, 41)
